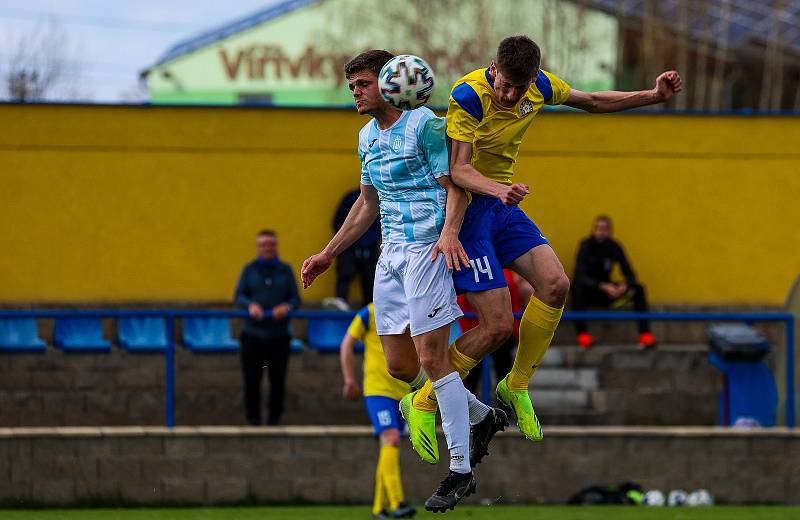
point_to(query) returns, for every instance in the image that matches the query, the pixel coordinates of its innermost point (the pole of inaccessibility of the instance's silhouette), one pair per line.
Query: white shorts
(413, 292)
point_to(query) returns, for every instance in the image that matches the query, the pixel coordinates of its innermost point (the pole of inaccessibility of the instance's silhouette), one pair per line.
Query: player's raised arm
(351, 389)
(466, 176)
(359, 219)
(667, 85)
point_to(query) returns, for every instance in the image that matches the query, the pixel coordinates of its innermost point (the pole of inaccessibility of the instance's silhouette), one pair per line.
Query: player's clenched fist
(512, 195)
(313, 267)
(667, 84)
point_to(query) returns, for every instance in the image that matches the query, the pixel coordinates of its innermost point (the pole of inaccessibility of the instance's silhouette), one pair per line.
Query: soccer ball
(406, 82)
(700, 497)
(654, 498)
(676, 498)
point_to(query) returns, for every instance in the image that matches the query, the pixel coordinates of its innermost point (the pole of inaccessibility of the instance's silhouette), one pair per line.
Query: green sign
(297, 58)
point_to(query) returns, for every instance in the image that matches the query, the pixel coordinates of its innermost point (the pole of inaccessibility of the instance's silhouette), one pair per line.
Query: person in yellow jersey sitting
(489, 111)
(382, 394)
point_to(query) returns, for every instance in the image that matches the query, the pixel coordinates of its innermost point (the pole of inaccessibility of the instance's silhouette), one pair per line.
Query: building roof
(213, 35)
(748, 21)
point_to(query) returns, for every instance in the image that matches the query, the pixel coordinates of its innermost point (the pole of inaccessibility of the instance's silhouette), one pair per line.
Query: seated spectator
(503, 357)
(592, 285)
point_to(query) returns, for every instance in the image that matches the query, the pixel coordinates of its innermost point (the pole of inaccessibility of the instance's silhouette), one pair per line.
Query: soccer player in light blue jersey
(405, 178)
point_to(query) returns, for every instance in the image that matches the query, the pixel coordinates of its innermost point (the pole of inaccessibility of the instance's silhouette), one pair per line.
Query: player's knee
(556, 290)
(432, 361)
(401, 370)
(499, 330)
(390, 437)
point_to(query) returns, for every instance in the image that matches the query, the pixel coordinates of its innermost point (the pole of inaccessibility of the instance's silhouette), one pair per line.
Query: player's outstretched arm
(466, 176)
(361, 216)
(667, 85)
(448, 243)
(351, 390)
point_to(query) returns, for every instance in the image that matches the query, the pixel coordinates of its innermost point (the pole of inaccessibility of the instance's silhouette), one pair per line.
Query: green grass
(498, 512)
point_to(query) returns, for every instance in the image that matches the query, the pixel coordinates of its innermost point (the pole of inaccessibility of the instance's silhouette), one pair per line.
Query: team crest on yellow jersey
(526, 107)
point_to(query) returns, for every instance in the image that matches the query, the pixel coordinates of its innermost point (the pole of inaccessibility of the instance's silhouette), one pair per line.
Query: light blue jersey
(403, 163)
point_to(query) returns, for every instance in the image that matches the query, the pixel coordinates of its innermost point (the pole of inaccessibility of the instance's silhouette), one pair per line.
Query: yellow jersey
(377, 380)
(495, 132)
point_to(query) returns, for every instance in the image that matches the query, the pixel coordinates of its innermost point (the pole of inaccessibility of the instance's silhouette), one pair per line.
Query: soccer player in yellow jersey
(382, 394)
(489, 112)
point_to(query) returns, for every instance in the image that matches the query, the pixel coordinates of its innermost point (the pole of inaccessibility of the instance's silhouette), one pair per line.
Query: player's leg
(541, 268)
(388, 424)
(432, 309)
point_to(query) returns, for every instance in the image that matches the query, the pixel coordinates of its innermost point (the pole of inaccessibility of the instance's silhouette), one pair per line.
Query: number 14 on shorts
(481, 266)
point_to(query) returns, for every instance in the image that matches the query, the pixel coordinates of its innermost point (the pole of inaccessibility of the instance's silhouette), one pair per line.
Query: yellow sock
(536, 329)
(389, 460)
(380, 499)
(425, 399)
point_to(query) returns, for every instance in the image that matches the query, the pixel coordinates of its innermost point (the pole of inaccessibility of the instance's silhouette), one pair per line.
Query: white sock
(453, 406)
(418, 381)
(478, 410)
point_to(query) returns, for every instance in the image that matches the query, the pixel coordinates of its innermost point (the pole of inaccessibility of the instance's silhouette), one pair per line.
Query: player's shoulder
(545, 84)
(364, 133)
(473, 92)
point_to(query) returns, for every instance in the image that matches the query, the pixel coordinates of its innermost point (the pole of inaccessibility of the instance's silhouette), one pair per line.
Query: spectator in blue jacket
(268, 290)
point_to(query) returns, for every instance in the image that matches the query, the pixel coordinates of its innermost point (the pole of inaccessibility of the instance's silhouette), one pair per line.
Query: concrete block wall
(213, 465)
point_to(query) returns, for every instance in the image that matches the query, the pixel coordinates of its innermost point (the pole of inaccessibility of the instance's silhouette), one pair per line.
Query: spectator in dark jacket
(592, 285)
(268, 290)
(361, 258)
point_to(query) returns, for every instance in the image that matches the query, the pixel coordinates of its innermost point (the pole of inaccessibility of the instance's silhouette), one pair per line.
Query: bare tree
(39, 65)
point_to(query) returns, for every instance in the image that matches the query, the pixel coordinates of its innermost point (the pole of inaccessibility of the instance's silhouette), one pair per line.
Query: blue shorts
(384, 412)
(493, 235)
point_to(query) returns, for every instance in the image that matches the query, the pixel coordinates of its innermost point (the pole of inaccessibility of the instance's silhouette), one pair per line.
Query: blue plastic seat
(80, 335)
(142, 334)
(20, 335)
(296, 345)
(325, 334)
(208, 335)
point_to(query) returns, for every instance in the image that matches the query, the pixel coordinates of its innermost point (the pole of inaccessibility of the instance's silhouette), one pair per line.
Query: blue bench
(20, 335)
(325, 334)
(142, 334)
(208, 335)
(80, 335)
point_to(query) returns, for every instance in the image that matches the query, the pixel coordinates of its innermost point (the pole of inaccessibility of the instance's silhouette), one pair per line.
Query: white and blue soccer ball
(700, 497)
(406, 82)
(677, 498)
(654, 498)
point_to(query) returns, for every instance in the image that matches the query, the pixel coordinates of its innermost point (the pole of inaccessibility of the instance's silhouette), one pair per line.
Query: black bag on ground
(625, 493)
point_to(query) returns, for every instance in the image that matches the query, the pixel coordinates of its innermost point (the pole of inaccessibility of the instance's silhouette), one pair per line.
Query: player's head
(601, 229)
(267, 244)
(514, 68)
(362, 78)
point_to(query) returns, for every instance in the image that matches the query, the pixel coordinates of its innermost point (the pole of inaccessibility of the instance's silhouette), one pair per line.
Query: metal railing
(171, 315)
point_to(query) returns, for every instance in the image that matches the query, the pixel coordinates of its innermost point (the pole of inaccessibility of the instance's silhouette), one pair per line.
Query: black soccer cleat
(481, 434)
(453, 488)
(403, 511)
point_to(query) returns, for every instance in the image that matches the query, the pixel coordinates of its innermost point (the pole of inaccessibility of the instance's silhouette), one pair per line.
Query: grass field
(363, 512)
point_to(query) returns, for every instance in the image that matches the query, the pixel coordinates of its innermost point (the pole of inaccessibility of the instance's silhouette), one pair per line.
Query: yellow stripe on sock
(536, 329)
(425, 398)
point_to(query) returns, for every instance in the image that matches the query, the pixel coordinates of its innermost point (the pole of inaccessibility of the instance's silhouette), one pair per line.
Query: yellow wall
(145, 203)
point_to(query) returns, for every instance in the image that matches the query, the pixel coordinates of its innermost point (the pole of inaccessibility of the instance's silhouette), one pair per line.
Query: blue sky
(110, 41)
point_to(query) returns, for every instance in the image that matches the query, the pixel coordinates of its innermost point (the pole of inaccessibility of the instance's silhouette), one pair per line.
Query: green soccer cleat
(520, 403)
(421, 429)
